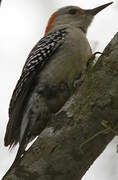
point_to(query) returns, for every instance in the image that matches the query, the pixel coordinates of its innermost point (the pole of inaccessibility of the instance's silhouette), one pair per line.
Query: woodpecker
(48, 76)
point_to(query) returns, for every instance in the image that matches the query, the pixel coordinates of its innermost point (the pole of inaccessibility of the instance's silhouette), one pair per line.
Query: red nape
(50, 21)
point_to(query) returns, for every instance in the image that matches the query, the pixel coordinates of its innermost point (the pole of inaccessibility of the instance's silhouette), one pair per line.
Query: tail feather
(19, 156)
(34, 121)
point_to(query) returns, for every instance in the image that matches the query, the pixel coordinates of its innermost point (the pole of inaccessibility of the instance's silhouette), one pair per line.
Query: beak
(97, 9)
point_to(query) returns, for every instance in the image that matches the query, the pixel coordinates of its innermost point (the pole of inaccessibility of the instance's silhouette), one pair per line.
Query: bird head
(74, 16)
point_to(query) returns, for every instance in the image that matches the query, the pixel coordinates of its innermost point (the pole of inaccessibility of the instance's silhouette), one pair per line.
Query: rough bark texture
(79, 133)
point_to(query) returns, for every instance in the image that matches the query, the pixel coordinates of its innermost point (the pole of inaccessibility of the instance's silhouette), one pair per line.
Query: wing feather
(38, 57)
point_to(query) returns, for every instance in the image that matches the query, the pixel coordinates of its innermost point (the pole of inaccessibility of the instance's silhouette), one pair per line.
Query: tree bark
(81, 130)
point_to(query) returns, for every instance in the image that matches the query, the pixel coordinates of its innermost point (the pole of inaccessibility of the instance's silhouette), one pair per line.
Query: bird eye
(72, 11)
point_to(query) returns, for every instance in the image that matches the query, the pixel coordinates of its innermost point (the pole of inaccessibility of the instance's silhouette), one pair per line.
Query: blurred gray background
(22, 24)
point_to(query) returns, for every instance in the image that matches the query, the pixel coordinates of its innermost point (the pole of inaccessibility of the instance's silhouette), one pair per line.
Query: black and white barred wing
(39, 56)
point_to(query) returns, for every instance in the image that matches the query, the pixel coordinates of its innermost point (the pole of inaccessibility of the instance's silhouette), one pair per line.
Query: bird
(49, 73)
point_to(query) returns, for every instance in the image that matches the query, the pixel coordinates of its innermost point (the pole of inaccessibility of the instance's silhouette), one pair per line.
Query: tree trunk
(81, 130)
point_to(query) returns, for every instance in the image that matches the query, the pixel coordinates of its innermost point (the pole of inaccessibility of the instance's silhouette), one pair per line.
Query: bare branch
(79, 133)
